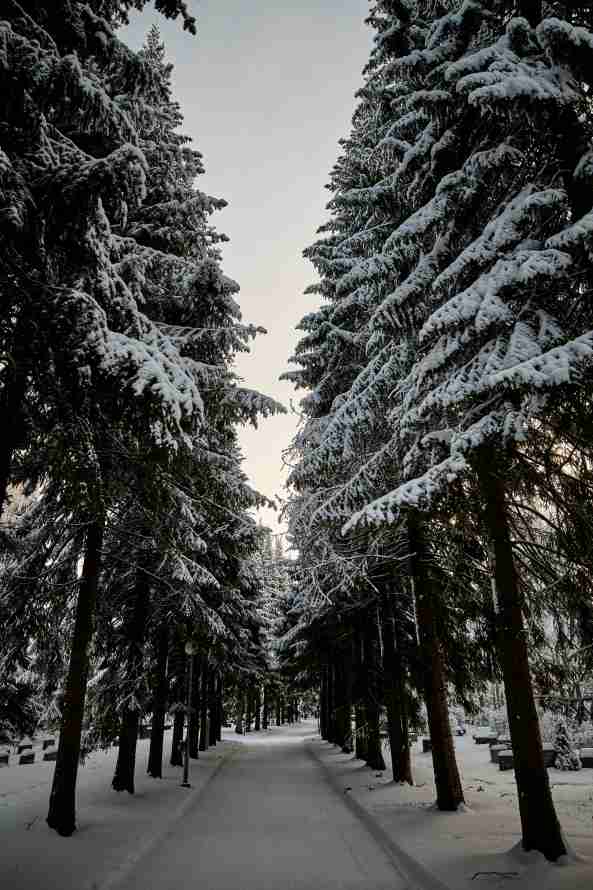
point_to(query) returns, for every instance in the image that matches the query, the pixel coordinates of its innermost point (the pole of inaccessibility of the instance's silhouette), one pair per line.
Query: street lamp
(190, 651)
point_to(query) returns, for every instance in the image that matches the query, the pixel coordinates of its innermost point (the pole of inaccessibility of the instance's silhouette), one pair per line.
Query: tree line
(441, 477)
(127, 529)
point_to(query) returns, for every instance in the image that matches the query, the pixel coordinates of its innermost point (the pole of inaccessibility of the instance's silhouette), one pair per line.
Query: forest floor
(476, 846)
(271, 820)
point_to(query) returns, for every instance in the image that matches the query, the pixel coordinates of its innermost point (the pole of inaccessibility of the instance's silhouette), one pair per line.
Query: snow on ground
(479, 845)
(114, 829)
(464, 849)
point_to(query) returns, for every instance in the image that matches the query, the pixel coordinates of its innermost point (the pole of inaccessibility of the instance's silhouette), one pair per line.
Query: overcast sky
(267, 89)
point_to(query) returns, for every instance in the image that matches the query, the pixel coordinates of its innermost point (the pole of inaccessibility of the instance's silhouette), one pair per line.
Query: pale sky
(267, 90)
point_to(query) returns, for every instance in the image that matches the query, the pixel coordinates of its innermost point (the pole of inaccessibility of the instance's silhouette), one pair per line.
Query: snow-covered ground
(116, 831)
(478, 844)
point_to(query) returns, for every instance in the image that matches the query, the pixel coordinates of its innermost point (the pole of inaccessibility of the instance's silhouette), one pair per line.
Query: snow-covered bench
(586, 755)
(495, 751)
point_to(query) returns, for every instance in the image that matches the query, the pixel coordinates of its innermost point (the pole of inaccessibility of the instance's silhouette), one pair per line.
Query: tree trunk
(240, 713)
(257, 705)
(203, 746)
(360, 744)
(395, 696)
(539, 822)
(177, 664)
(194, 724)
(249, 711)
(446, 772)
(159, 708)
(343, 700)
(123, 780)
(278, 711)
(212, 709)
(62, 806)
(176, 758)
(219, 710)
(266, 714)
(372, 658)
(323, 711)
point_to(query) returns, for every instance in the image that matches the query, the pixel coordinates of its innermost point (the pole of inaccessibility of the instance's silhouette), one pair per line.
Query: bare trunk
(446, 772)
(203, 746)
(212, 709)
(62, 805)
(194, 725)
(373, 678)
(257, 704)
(123, 780)
(395, 697)
(539, 822)
(159, 708)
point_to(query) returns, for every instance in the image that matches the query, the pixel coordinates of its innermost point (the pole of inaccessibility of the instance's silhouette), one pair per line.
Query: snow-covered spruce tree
(396, 154)
(566, 756)
(499, 347)
(77, 309)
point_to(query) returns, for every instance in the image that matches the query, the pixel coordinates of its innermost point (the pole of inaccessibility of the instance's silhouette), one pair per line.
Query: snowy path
(268, 821)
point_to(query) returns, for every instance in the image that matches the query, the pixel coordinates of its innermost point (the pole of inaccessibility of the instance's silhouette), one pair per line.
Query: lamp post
(190, 651)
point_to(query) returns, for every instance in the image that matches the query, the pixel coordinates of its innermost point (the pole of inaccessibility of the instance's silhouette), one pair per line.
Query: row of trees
(441, 479)
(119, 405)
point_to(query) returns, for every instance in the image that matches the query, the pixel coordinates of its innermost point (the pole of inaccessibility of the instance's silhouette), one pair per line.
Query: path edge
(119, 874)
(411, 870)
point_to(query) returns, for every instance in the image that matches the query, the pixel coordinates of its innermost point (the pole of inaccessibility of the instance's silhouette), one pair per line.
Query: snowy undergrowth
(478, 844)
(114, 829)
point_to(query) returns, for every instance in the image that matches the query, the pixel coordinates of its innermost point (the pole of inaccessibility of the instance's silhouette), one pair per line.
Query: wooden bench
(485, 739)
(3, 759)
(47, 743)
(51, 755)
(25, 746)
(29, 757)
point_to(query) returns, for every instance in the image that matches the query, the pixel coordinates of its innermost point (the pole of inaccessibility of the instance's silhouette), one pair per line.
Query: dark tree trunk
(395, 696)
(203, 746)
(265, 711)
(159, 708)
(220, 703)
(212, 709)
(123, 780)
(343, 700)
(539, 823)
(531, 10)
(373, 676)
(360, 745)
(194, 723)
(177, 664)
(176, 758)
(240, 713)
(257, 706)
(446, 772)
(12, 420)
(62, 806)
(278, 711)
(249, 711)
(323, 709)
